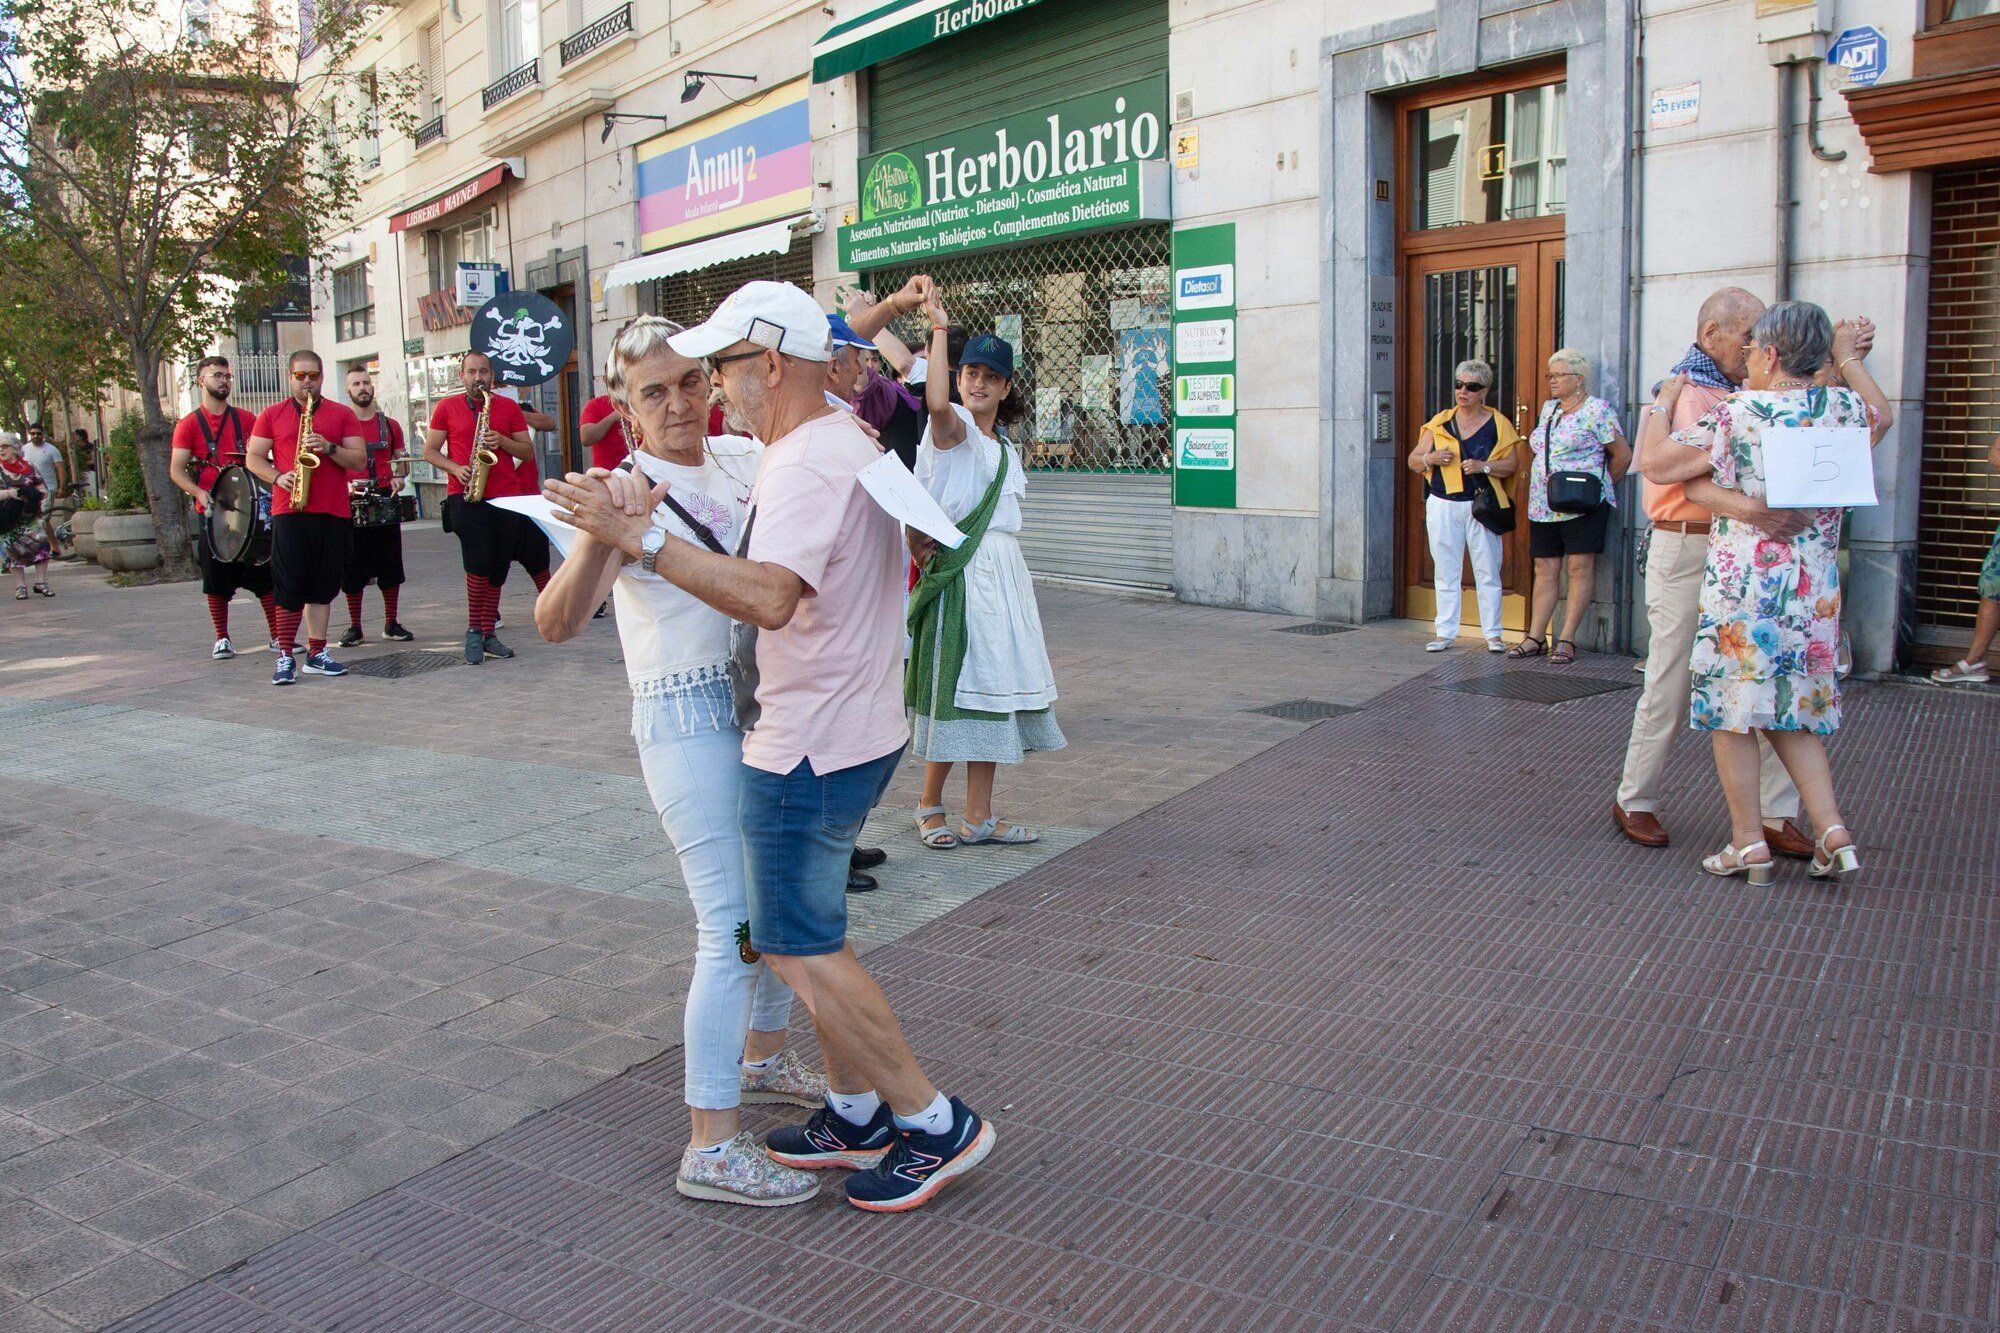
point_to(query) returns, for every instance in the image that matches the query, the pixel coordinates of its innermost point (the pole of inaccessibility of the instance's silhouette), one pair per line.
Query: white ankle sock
(713, 1151)
(761, 1065)
(856, 1108)
(933, 1119)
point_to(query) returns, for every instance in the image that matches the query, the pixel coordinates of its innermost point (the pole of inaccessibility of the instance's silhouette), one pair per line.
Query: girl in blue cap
(979, 686)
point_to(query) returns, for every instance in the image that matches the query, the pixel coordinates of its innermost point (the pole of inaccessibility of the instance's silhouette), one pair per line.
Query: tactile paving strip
(1385, 1028)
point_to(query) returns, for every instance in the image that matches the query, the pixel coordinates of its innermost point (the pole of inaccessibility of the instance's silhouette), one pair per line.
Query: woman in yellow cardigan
(1462, 450)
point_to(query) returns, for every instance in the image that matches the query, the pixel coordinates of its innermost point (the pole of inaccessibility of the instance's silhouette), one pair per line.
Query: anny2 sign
(1090, 162)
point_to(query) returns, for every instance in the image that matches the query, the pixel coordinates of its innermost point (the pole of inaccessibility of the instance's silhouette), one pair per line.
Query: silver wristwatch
(649, 548)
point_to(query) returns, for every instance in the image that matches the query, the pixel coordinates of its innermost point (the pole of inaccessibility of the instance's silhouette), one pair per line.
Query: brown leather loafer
(1640, 826)
(1786, 840)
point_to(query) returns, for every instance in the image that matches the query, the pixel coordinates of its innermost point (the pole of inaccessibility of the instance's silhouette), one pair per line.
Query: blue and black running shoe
(918, 1165)
(828, 1140)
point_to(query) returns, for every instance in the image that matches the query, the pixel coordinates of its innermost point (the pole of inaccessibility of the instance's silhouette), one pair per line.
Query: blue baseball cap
(996, 354)
(845, 336)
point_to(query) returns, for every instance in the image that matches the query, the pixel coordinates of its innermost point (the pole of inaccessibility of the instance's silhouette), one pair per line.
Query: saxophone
(483, 457)
(305, 459)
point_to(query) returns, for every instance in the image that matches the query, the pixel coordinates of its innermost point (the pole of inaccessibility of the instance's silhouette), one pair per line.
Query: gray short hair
(643, 337)
(1476, 368)
(1799, 332)
(1574, 361)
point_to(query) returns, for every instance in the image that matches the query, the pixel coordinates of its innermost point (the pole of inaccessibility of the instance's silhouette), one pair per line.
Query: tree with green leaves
(50, 352)
(175, 170)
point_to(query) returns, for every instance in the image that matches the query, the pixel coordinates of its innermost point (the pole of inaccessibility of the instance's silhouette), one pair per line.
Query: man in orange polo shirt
(1675, 562)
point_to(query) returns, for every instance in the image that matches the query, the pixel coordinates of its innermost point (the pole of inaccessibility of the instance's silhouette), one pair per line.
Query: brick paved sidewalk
(407, 931)
(1385, 1028)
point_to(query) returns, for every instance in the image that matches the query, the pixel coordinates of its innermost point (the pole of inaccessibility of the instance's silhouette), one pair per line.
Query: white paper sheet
(1818, 467)
(544, 514)
(904, 498)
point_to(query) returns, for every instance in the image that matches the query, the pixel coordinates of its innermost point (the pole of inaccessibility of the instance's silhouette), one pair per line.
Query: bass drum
(239, 517)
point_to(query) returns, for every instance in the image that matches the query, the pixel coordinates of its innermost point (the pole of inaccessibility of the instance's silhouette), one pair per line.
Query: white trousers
(1675, 564)
(1455, 533)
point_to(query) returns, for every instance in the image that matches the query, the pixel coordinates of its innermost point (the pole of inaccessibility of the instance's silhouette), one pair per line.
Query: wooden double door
(1501, 303)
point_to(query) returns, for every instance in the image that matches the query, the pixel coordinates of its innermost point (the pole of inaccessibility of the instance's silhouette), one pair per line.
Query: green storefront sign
(1088, 163)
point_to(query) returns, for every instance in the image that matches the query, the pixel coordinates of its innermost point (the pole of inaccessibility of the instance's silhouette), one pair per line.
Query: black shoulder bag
(1569, 492)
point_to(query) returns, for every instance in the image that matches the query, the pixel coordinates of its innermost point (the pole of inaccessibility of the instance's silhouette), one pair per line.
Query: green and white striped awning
(902, 25)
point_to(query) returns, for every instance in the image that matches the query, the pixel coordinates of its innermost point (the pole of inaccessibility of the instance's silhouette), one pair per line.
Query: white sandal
(1834, 862)
(971, 835)
(1732, 861)
(941, 838)
(1963, 673)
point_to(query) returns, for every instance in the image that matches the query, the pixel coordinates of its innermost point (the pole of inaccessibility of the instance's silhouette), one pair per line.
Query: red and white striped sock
(541, 580)
(354, 609)
(218, 615)
(314, 647)
(390, 596)
(269, 601)
(489, 606)
(288, 630)
(474, 592)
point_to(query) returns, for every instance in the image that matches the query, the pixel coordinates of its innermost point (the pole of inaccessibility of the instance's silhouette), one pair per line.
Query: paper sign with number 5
(1818, 467)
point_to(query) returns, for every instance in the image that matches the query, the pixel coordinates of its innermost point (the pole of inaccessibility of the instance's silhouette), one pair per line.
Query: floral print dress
(1578, 441)
(1766, 643)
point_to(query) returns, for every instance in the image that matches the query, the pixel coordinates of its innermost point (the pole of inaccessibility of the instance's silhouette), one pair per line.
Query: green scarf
(937, 616)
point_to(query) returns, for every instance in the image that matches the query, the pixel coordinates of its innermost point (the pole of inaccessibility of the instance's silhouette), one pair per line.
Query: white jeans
(692, 755)
(1675, 565)
(1454, 533)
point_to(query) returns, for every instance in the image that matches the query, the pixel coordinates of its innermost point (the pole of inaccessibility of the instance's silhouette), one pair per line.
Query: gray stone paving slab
(231, 1003)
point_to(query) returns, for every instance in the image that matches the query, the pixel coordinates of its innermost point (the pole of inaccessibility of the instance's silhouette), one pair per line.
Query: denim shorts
(798, 837)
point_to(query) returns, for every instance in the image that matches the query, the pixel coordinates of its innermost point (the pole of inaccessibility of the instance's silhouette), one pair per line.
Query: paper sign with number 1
(1818, 467)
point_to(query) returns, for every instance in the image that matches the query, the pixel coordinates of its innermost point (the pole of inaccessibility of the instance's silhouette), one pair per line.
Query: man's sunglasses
(1468, 387)
(713, 364)
(303, 375)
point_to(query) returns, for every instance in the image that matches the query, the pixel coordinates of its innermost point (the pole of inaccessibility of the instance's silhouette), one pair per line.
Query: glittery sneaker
(787, 1080)
(743, 1174)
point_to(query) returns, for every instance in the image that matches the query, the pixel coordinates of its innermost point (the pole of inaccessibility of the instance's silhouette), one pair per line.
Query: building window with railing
(598, 22)
(520, 37)
(353, 303)
(368, 114)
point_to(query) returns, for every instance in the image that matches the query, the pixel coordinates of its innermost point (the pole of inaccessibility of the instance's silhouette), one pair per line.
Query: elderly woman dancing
(1765, 651)
(676, 659)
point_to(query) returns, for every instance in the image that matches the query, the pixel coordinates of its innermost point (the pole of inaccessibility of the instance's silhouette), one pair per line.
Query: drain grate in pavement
(1315, 628)
(395, 666)
(1537, 687)
(1303, 710)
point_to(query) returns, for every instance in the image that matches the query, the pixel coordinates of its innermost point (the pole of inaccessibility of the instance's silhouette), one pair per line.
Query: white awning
(766, 238)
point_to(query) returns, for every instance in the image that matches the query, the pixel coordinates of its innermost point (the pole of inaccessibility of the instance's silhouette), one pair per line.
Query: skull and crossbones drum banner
(526, 337)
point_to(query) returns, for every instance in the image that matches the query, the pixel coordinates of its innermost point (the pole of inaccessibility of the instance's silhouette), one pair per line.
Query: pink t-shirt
(830, 683)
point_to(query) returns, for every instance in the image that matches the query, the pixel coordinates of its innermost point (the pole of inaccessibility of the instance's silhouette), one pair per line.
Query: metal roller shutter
(1106, 527)
(690, 298)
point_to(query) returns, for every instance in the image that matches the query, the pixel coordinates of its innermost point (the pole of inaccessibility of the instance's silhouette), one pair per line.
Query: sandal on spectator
(971, 835)
(941, 838)
(1522, 649)
(1563, 656)
(1963, 673)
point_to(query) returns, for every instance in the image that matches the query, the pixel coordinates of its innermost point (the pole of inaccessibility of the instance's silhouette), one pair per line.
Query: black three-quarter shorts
(308, 557)
(225, 578)
(375, 554)
(1582, 535)
(490, 539)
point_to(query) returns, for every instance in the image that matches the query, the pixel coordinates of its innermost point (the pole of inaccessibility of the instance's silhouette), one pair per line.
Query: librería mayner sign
(1069, 166)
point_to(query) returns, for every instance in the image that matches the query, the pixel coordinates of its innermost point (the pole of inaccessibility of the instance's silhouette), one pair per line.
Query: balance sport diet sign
(1073, 166)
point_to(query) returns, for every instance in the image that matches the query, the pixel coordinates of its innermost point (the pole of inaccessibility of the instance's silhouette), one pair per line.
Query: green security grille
(1074, 299)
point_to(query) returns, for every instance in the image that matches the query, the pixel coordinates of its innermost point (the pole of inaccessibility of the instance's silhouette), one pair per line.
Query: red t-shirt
(457, 419)
(232, 431)
(610, 450)
(332, 422)
(371, 433)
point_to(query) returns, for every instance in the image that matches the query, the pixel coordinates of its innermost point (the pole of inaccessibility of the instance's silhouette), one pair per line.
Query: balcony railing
(429, 132)
(578, 44)
(510, 83)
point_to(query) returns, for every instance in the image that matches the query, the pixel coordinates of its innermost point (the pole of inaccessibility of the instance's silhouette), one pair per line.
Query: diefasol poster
(1143, 369)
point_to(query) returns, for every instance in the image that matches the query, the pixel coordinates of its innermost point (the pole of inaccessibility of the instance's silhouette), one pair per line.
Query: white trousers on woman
(1453, 533)
(692, 755)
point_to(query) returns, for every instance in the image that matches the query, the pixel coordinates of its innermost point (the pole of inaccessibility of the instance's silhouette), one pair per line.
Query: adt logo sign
(1863, 53)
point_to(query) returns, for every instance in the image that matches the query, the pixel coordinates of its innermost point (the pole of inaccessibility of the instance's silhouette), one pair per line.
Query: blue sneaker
(322, 664)
(286, 671)
(829, 1140)
(918, 1165)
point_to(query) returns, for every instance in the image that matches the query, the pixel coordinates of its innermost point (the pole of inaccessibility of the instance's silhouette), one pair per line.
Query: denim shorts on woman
(798, 838)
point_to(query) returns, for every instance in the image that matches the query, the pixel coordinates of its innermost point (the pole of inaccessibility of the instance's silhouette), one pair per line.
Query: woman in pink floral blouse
(1765, 650)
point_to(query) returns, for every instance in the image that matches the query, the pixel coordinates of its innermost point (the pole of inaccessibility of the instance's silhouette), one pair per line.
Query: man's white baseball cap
(771, 314)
